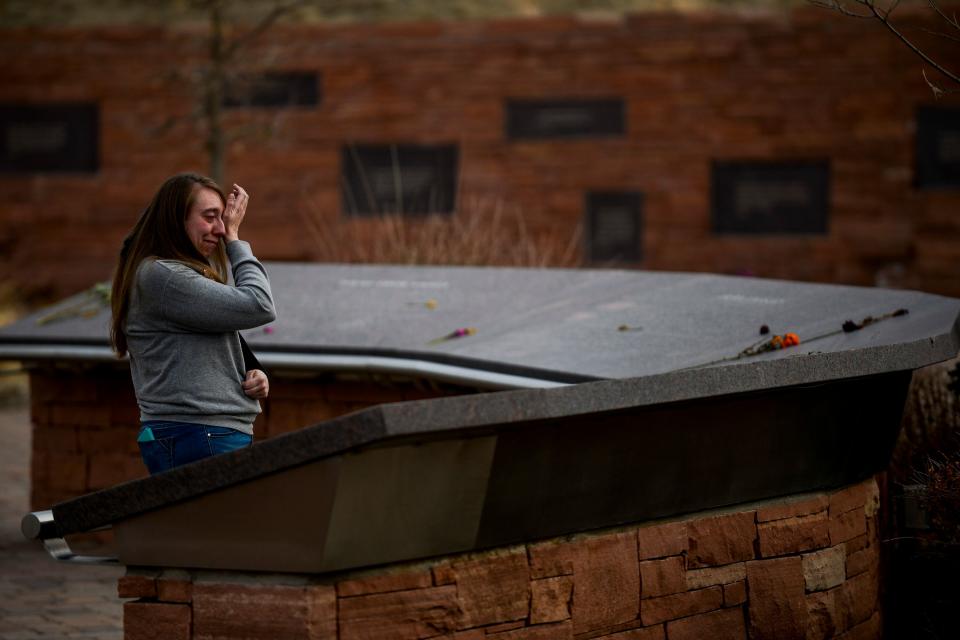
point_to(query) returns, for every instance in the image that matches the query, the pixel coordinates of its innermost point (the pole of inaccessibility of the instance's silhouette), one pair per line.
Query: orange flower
(776, 342)
(791, 340)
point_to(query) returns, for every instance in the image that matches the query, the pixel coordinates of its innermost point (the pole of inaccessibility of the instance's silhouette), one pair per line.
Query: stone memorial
(628, 398)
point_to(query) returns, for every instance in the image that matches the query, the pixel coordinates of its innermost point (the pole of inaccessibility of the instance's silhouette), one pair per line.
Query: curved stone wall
(800, 567)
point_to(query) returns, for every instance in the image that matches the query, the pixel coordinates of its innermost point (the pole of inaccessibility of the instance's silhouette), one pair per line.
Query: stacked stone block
(806, 567)
(84, 432)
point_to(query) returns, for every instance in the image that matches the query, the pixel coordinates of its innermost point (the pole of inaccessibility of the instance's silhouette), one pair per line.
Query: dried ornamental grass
(927, 455)
(483, 232)
(931, 419)
(941, 495)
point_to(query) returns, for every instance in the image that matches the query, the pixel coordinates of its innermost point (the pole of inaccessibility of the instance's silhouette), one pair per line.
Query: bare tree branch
(940, 34)
(214, 86)
(213, 80)
(883, 16)
(951, 21)
(937, 90)
(891, 9)
(892, 29)
(838, 6)
(268, 21)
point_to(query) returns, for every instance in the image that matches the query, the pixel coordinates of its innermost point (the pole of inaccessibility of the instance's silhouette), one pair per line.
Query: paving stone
(39, 597)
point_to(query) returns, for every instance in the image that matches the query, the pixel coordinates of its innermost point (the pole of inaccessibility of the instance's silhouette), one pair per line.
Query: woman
(177, 317)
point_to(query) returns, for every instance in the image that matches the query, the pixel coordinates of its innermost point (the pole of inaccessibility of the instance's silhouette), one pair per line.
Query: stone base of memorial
(807, 566)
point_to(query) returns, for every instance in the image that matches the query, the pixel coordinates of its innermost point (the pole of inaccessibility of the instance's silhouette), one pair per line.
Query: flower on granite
(850, 326)
(792, 339)
(453, 335)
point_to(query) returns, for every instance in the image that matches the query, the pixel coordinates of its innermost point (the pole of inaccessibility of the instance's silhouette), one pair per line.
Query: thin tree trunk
(213, 98)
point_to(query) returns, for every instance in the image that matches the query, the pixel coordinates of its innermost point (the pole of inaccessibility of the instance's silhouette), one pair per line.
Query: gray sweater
(181, 328)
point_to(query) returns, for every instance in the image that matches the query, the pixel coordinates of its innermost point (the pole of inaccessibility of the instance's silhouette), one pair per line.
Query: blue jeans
(165, 445)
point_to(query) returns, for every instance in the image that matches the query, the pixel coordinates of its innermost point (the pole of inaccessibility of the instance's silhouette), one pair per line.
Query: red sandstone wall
(697, 87)
(803, 569)
(85, 422)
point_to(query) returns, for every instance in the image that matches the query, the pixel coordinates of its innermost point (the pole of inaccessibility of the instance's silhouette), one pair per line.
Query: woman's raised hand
(234, 211)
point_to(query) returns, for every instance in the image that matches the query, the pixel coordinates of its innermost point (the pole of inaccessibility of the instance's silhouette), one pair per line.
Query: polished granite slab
(559, 325)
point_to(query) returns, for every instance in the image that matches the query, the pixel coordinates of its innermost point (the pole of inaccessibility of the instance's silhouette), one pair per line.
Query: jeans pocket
(224, 440)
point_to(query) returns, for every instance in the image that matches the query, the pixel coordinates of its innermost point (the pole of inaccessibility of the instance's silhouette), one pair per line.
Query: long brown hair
(160, 234)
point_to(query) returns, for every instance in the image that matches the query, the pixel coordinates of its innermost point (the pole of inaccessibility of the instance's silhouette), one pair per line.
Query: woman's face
(204, 223)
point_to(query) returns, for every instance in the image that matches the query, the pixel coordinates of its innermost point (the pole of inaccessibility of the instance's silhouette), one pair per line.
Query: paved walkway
(39, 597)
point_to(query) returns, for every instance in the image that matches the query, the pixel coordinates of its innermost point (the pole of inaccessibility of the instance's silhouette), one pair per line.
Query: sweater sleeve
(195, 303)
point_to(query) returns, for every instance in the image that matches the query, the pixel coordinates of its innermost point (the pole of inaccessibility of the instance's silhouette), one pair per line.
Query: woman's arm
(190, 301)
(194, 302)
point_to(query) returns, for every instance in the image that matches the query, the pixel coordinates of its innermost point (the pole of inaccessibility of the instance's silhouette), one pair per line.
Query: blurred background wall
(786, 143)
